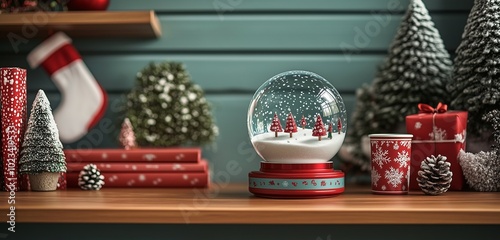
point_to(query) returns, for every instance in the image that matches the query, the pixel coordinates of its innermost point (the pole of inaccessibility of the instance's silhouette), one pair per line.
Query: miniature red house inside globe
(297, 123)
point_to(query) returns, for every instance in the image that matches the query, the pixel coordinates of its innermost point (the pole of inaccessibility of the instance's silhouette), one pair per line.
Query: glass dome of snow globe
(297, 117)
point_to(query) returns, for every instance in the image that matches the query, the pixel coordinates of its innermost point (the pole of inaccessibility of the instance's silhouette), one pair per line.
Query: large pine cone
(434, 176)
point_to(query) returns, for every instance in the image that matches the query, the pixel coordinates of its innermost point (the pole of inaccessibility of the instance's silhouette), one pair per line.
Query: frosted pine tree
(167, 109)
(42, 150)
(416, 70)
(475, 85)
(127, 135)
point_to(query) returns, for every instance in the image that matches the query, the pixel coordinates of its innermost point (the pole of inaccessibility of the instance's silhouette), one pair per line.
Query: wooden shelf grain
(134, 24)
(234, 204)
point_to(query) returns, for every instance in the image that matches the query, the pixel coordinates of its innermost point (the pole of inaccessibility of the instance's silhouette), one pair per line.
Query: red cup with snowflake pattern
(390, 162)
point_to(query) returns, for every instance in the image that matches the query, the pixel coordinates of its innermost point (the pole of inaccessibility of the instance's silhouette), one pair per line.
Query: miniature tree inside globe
(309, 97)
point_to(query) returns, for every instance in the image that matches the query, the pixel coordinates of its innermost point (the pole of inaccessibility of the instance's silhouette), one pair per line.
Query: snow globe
(297, 123)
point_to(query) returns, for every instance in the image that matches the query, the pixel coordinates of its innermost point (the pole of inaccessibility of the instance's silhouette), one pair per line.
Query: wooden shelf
(234, 204)
(137, 24)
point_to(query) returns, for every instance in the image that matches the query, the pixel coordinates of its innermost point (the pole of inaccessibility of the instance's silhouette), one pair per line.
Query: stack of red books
(154, 167)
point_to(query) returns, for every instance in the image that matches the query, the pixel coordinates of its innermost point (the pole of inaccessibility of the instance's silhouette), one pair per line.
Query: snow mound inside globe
(297, 117)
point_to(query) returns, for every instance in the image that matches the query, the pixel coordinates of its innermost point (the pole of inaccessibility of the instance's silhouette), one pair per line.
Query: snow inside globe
(297, 117)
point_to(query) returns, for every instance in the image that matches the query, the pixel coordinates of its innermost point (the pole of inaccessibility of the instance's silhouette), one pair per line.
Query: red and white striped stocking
(83, 100)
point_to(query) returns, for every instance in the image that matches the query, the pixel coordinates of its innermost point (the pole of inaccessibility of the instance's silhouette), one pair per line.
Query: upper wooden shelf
(136, 24)
(234, 204)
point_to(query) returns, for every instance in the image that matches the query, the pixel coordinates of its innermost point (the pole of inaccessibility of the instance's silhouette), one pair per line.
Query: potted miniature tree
(42, 156)
(276, 125)
(319, 129)
(291, 126)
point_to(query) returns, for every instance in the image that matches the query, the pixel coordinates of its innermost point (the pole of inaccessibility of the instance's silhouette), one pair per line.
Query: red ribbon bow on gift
(424, 108)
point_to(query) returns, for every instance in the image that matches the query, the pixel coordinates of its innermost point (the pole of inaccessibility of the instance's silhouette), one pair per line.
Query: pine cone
(434, 176)
(90, 178)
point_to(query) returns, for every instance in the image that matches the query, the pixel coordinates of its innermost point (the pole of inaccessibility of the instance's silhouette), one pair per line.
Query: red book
(147, 180)
(141, 167)
(179, 155)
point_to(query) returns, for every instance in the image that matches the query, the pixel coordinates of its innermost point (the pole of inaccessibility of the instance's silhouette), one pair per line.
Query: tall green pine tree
(415, 71)
(475, 85)
(42, 150)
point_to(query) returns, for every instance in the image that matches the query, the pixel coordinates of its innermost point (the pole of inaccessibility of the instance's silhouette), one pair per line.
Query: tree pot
(43, 182)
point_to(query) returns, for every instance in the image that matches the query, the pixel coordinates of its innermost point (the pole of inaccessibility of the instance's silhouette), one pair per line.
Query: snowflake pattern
(395, 146)
(285, 184)
(380, 157)
(437, 133)
(194, 181)
(157, 181)
(406, 144)
(149, 157)
(375, 177)
(403, 159)
(418, 125)
(460, 137)
(142, 177)
(394, 176)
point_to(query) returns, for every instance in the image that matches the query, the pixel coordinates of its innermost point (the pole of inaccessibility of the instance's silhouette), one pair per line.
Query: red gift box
(437, 131)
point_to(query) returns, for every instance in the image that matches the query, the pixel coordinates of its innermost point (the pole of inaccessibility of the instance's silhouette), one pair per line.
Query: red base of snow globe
(279, 180)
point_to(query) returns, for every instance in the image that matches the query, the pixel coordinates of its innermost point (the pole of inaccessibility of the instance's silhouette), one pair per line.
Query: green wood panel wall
(231, 47)
(287, 5)
(216, 72)
(319, 33)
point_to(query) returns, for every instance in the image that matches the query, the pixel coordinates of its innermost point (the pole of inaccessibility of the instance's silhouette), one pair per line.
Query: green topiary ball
(167, 109)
